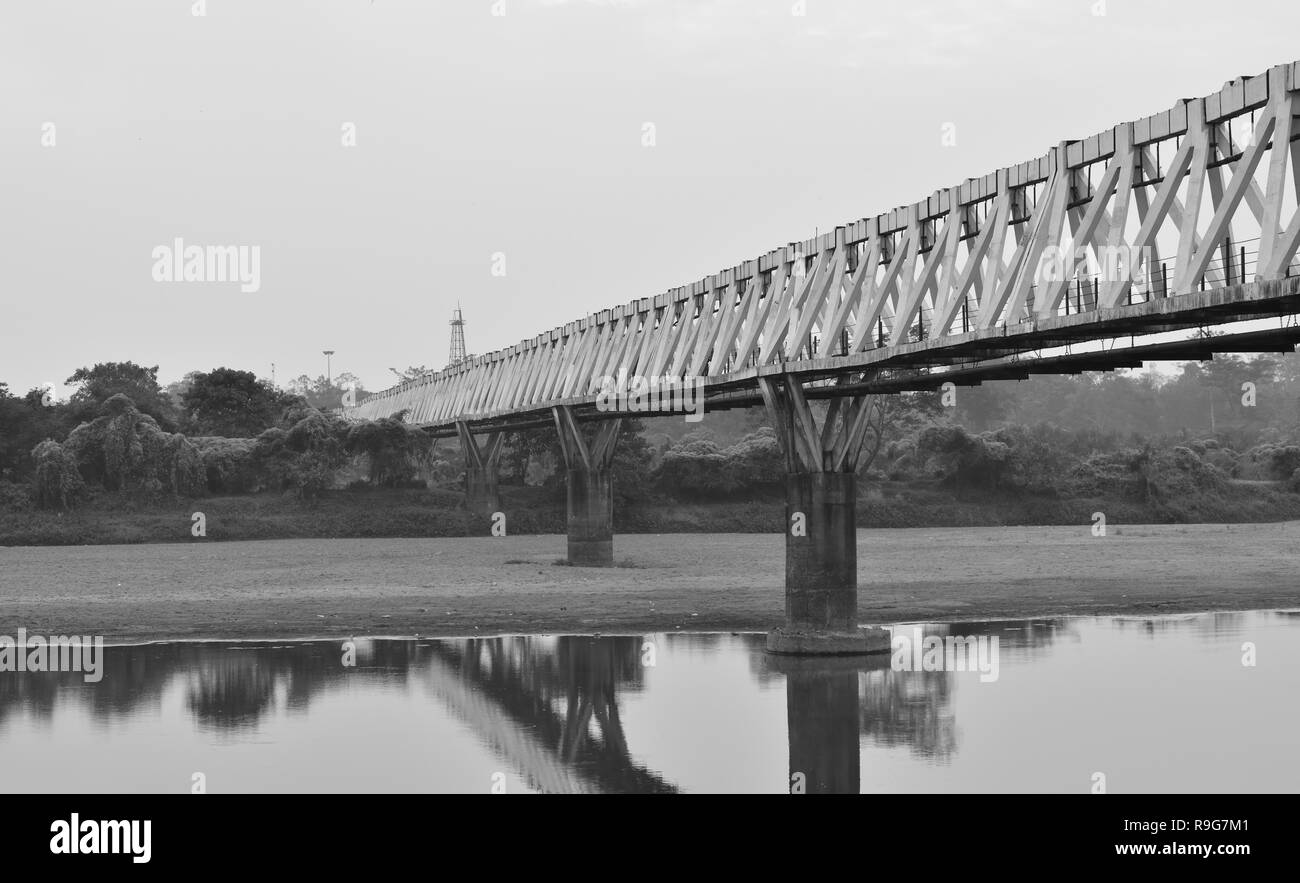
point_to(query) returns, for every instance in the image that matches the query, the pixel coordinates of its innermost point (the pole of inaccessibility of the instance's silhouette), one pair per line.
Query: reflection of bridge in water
(548, 707)
(538, 709)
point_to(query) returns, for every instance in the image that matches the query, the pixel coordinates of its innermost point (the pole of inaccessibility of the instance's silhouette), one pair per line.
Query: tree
(12, 416)
(878, 410)
(1224, 376)
(521, 447)
(304, 457)
(414, 372)
(106, 379)
(57, 481)
(231, 403)
(396, 451)
(124, 449)
(986, 406)
(327, 394)
(176, 390)
(631, 467)
(697, 467)
(24, 422)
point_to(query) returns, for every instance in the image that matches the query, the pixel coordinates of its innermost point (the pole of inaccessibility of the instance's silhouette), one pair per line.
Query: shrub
(271, 457)
(228, 464)
(1115, 475)
(1269, 461)
(180, 467)
(1223, 458)
(956, 457)
(1180, 473)
(395, 451)
(696, 467)
(304, 457)
(756, 460)
(124, 449)
(14, 497)
(58, 482)
(1036, 456)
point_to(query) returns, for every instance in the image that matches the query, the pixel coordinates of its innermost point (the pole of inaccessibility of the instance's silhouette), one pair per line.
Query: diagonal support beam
(1270, 238)
(1243, 175)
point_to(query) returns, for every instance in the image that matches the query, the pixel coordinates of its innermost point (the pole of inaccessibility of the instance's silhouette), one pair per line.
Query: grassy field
(480, 585)
(364, 513)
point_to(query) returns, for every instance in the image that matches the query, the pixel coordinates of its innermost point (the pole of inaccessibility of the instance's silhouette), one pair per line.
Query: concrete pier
(821, 543)
(482, 495)
(589, 461)
(591, 517)
(821, 553)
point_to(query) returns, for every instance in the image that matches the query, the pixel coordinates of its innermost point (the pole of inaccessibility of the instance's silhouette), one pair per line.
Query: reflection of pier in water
(832, 703)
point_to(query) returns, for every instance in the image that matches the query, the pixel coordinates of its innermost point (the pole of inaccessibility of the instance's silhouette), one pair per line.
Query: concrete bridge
(1093, 256)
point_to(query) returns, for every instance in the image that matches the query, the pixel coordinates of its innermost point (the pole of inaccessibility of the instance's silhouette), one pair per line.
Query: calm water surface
(1161, 704)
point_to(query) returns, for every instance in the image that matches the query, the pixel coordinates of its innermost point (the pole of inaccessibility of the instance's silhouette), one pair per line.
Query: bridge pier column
(821, 549)
(590, 487)
(821, 561)
(482, 494)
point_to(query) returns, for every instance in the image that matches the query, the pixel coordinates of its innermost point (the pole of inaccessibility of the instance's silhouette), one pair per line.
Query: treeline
(224, 432)
(1237, 399)
(1184, 445)
(1090, 437)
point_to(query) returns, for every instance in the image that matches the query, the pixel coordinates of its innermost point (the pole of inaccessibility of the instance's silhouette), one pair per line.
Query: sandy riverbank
(714, 582)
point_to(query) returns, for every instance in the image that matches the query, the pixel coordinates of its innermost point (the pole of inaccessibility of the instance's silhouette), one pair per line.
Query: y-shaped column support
(590, 487)
(482, 496)
(821, 546)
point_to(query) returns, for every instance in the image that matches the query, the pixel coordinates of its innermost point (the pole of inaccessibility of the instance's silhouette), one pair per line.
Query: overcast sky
(521, 134)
